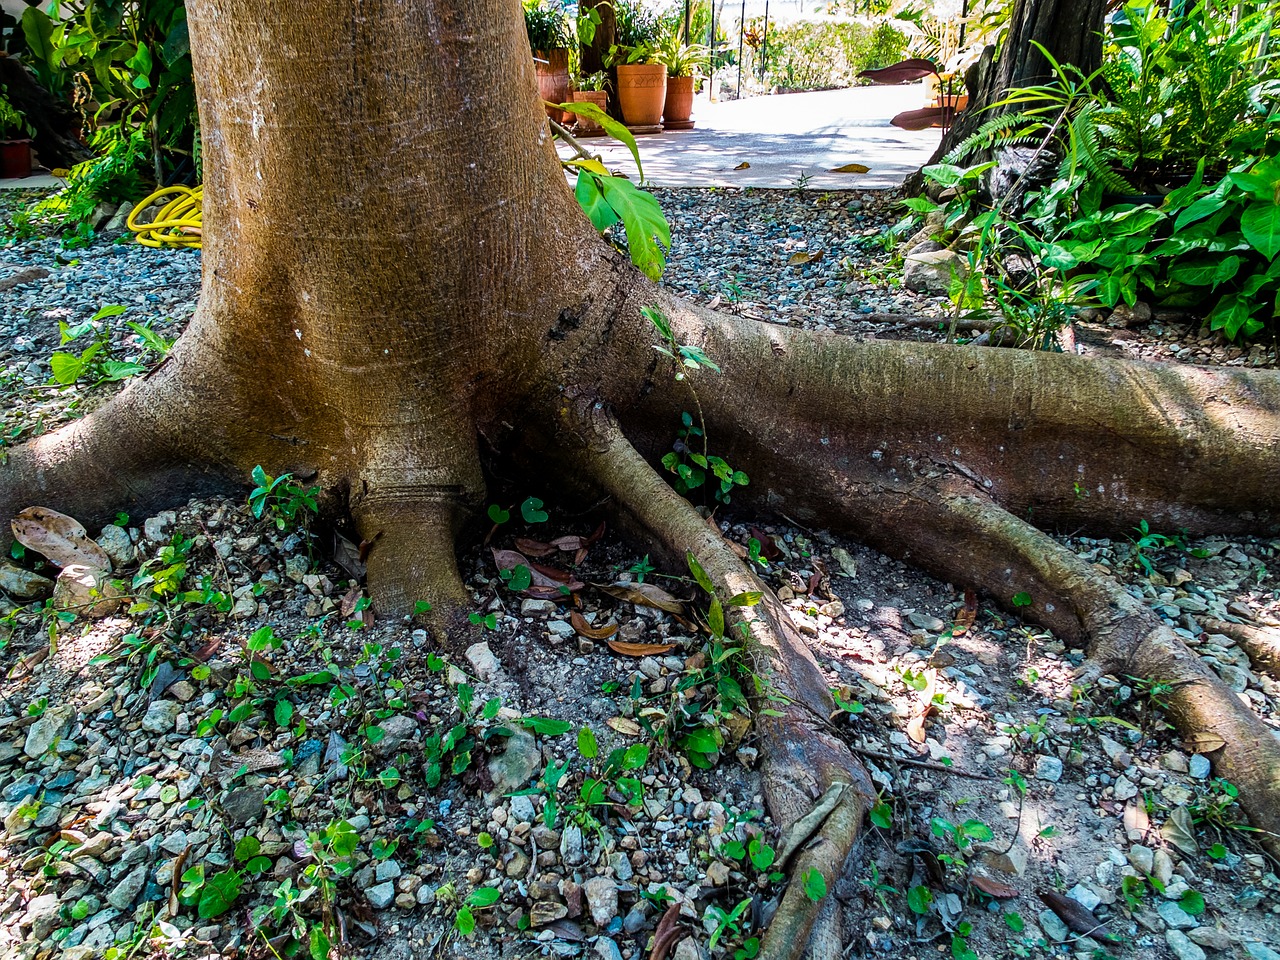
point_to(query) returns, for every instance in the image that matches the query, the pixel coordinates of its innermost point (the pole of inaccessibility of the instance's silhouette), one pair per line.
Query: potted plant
(642, 81)
(682, 60)
(15, 141)
(549, 39)
(591, 89)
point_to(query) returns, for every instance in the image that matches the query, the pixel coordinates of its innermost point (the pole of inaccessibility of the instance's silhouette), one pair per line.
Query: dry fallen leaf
(58, 538)
(993, 888)
(591, 633)
(628, 728)
(628, 649)
(915, 728)
(1075, 915)
(742, 166)
(534, 548)
(347, 555)
(644, 594)
(801, 257)
(851, 168)
(967, 615)
(1203, 742)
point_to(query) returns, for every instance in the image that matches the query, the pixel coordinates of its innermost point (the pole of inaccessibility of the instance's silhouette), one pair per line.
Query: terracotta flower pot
(678, 107)
(553, 79)
(642, 92)
(15, 159)
(585, 127)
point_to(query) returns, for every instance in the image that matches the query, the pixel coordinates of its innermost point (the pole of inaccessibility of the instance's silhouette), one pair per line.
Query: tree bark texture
(1069, 30)
(399, 291)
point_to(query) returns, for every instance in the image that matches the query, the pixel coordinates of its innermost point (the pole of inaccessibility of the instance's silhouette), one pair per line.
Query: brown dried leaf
(905, 71)
(580, 624)
(534, 548)
(569, 544)
(924, 118)
(915, 728)
(993, 888)
(347, 555)
(644, 594)
(801, 257)
(1203, 742)
(664, 938)
(348, 605)
(546, 580)
(967, 615)
(628, 728)
(58, 538)
(743, 166)
(207, 650)
(628, 649)
(1075, 915)
(851, 168)
(768, 548)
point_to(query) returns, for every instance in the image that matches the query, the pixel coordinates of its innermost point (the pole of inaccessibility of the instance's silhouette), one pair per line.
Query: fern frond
(1009, 130)
(1087, 152)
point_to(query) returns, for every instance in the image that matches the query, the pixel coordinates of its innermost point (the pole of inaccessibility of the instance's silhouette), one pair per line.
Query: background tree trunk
(1070, 30)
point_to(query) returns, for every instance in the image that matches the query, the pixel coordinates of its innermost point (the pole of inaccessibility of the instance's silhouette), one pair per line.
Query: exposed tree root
(987, 546)
(1262, 644)
(137, 453)
(805, 761)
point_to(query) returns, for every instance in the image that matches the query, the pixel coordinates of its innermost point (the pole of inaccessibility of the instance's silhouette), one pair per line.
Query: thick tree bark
(1069, 30)
(398, 287)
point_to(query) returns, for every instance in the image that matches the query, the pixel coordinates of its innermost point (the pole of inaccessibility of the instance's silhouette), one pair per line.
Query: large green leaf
(611, 126)
(1205, 272)
(1261, 225)
(218, 894)
(38, 29)
(647, 228)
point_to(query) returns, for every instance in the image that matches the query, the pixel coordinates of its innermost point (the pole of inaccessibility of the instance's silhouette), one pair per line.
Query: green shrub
(819, 55)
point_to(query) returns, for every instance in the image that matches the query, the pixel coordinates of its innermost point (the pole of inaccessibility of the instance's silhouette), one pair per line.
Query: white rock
(87, 592)
(50, 727)
(1182, 946)
(602, 899)
(1048, 768)
(483, 662)
(161, 716)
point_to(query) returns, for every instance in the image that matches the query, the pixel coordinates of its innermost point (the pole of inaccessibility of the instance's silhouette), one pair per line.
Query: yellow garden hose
(177, 224)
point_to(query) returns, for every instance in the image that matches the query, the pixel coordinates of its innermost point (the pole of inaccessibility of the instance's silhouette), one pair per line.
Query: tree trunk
(399, 290)
(1069, 30)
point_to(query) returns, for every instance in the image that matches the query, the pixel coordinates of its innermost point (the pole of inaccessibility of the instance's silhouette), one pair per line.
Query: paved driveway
(784, 136)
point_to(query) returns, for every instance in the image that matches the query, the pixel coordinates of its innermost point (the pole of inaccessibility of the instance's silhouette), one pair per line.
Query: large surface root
(984, 545)
(1262, 644)
(123, 457)
(805, 761)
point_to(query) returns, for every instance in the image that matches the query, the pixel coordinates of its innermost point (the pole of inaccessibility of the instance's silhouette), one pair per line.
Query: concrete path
(782, 137)
(37, 179)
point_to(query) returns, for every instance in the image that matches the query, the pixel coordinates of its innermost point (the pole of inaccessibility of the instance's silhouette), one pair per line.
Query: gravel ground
(233, 722)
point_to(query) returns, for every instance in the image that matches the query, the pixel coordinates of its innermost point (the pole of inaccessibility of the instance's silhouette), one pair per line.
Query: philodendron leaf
(590, 196)
(611, 126)
(1260, 224)
(647, 229)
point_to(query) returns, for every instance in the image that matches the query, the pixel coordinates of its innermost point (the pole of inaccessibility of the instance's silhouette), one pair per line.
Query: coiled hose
(178, 222)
